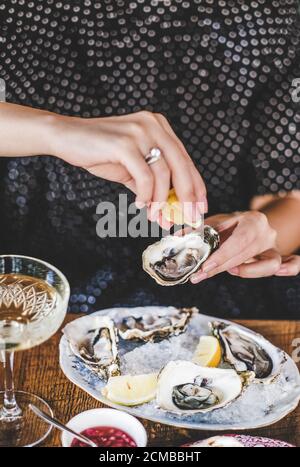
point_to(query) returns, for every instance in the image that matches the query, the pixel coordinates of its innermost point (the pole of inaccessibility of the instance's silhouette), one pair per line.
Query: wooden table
(38, 371)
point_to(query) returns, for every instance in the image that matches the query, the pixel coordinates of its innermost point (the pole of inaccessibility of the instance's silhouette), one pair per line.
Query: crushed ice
(256, 403)
(257, 400)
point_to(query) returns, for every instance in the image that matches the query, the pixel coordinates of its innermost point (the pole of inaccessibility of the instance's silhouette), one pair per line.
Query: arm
(284, 216)
(113, 148)
(25, 131)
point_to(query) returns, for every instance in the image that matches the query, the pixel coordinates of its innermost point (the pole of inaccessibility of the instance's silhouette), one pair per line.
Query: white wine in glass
(33, 302)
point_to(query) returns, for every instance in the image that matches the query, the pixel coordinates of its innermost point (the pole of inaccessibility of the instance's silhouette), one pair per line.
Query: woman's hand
(290, 266)
(248, 247)
(114, 148)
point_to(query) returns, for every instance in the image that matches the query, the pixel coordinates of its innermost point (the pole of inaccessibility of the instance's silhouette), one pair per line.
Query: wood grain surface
(37, 371)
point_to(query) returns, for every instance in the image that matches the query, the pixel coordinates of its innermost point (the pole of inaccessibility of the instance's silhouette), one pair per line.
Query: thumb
(223, 222)
(217, 220)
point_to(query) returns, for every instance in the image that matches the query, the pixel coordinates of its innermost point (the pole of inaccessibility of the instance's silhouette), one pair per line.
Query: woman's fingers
(181, 177)
(163, 222)
(114, 173)
(199, 188)
(234, 251)
(222, 222)
(290, 266)
(126, 141)
(146, 131)
(161, 174)
(264, 265)
(186, 180)
(142, 176)
(221, 263)
(250, 235)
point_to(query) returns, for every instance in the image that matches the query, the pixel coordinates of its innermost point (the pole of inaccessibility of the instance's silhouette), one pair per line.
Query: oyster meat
(246, 351)
(184, 387)
(155, 323)
(174, 259)
(93, 339)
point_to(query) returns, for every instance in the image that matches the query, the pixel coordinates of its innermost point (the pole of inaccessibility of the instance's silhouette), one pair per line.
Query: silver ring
(154, 155)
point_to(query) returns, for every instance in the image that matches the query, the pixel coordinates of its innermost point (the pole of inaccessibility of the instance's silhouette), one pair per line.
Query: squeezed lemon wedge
(131, 390)
(208, 352)
(172, 212)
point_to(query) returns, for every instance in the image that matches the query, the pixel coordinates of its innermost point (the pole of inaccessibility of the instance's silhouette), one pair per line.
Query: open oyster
(94, 341)
(174, 259)
(247, 351)
(155, 323)
(184, 387)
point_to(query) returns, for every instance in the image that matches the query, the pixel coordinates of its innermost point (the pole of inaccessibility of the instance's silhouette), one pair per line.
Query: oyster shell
(157, 323)
(247, 351)
(218, 442)
(94, 341)
(174, 259)
(184, 387)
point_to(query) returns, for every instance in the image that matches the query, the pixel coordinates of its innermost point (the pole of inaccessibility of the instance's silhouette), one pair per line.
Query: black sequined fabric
(220, 71)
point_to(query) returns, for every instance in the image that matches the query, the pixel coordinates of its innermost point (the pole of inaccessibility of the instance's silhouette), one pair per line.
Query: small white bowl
(106, 417)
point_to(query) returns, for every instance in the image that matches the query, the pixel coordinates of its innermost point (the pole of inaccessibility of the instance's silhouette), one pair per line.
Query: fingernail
(152, 216)
(139, 204)
(194, 212)
(283, 270)
(198, 277)
(200, 206)
(234, 271)
(153, 211)
(209, 266)
(166, 225)
(204, 204)
(189, 211)
(156, 207)
(223, 225)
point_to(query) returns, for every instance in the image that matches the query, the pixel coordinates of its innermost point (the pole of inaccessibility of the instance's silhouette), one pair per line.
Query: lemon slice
(131, 390)
(172, 212)
(208, 352)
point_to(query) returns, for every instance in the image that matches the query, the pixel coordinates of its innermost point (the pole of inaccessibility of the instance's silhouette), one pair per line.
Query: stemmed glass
(33, 302)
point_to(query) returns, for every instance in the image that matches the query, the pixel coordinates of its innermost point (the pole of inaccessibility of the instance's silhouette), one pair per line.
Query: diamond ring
(154, 155)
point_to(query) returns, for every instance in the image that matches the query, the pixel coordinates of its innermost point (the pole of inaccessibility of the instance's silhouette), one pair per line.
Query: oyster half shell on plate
(174, 259)
(185, 388)
(246, 351)
(94, 340)
(155, 323)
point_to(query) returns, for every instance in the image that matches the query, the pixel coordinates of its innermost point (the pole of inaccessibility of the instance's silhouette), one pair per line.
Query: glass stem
(10, 410)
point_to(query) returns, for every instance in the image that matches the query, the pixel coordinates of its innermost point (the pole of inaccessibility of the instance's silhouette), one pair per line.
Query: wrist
(52, 129)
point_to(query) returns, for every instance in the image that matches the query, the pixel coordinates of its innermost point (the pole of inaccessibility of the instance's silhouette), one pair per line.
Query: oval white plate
(260, 405)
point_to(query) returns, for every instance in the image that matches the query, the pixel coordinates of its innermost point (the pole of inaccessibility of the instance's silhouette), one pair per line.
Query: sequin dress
(222, 73)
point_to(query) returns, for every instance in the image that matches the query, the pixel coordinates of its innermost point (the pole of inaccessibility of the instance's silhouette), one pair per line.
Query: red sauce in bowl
(105, 436)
